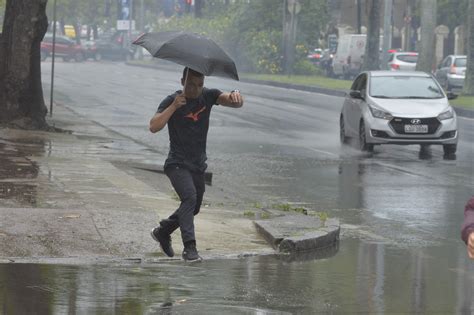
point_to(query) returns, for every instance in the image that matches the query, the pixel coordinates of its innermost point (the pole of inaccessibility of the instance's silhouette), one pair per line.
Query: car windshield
(408, 58)
(460, 62)
(404, 87)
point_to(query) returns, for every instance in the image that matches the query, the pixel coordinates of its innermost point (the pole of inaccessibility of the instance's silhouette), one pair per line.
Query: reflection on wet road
(359, 279)
(17, 170)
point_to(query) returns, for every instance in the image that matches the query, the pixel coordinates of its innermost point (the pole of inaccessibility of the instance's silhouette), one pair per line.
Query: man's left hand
(235, 97)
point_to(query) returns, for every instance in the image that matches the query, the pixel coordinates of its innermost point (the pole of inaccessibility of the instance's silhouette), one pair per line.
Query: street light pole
(387, 33)
(52, 61)
(142, 27)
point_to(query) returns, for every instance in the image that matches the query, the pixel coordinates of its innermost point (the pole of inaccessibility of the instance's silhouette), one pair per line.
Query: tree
(21, 92)
(371, 55)
(469, 81)
(427, 48)
(198, 5)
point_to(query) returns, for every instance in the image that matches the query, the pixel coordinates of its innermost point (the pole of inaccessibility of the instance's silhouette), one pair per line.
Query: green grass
(249, 214)
(463, 101)
(310, 80)
(325, 82)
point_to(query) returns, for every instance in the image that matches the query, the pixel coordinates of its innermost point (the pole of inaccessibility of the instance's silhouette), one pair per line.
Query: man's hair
(191, 72)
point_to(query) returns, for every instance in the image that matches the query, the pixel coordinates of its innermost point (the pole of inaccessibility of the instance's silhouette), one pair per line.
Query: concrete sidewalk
(77, 195)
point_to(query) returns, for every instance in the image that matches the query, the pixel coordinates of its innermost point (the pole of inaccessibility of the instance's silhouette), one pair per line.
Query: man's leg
(183, 184)
(199, 183)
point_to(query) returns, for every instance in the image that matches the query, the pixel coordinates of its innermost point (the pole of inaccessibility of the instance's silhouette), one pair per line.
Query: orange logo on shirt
(195, 116)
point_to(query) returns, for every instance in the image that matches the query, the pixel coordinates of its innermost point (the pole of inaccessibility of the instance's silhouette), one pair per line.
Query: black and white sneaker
(190, 253)
(164, 239)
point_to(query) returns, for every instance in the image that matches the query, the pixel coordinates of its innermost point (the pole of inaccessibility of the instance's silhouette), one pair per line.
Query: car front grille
(398, 124)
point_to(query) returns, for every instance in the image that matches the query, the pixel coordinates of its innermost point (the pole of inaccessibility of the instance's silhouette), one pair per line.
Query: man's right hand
(470, 245)
(179, 101)
(161, 119)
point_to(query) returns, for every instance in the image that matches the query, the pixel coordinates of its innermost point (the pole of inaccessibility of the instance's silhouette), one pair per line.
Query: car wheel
(79, 57)
(363, 145)
(98, 57)
(342, 131)
(450, 149)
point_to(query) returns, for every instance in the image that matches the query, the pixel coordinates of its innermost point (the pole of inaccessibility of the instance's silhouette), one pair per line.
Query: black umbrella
(190, 50)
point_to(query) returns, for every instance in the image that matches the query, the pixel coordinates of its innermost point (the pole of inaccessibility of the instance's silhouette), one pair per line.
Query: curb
(306, 88)
(464, 112)
(299, 233)
(341, 93)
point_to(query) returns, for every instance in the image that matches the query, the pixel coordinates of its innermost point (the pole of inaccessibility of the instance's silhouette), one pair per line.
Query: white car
(403, 107)
(451, 72)
(403, 61)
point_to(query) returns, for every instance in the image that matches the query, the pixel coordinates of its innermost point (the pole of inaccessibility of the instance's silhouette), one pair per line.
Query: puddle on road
(17, 170)
(361, 278)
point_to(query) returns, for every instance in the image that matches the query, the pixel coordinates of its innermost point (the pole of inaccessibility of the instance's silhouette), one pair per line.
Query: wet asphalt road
(394, 205)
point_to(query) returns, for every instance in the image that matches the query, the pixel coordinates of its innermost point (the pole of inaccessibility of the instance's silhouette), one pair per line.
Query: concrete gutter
(299, 233)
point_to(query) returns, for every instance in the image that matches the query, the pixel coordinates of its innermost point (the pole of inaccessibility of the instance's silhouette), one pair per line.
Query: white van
(347, 61)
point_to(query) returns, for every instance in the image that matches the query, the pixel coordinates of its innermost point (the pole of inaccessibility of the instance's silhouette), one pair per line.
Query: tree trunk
(198, 4)
(21, 92)
(426, 60)
(469, 81)
(372, 46)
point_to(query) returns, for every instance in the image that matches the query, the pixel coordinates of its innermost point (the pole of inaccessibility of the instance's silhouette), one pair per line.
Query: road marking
(324, 152)
(466, 118)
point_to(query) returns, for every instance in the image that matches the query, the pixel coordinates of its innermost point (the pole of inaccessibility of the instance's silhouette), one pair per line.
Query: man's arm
(233, 99)
(159, 120)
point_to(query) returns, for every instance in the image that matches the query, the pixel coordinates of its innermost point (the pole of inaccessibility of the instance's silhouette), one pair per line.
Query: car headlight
(446, 115)
(378, 113)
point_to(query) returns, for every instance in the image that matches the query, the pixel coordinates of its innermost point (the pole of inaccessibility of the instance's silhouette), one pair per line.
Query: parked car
(403, 107)
(451, 72)
(90, 49)
(64, 47)
(405, 61)
(315, 56)
(117, 47)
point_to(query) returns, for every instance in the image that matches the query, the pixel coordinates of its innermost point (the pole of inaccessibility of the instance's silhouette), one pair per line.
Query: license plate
(416, 128)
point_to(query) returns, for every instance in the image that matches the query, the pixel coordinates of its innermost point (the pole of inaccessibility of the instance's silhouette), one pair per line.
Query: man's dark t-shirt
(188, 128)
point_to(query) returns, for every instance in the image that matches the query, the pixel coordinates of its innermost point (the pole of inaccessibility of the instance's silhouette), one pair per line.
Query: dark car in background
(64, 47)
(116, 47)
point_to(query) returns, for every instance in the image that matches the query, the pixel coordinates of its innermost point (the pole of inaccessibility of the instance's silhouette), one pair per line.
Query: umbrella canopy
(190, 50)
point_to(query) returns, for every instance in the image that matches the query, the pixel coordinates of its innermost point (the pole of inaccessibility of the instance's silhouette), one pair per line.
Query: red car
(65, 48)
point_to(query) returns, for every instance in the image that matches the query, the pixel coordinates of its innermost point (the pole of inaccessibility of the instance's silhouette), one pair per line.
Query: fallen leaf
(71, 216)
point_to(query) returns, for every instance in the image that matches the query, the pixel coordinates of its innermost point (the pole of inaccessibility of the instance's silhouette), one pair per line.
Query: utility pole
(142, 27)
(293, 7)
(359, 16)
(387, 33)
(51, 98)
(130, 19)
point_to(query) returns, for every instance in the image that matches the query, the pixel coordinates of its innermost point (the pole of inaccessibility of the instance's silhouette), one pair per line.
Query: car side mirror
(356, 94)
(451, 96)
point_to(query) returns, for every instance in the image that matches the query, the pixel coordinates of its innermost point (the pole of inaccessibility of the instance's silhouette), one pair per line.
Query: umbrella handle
(185, 81)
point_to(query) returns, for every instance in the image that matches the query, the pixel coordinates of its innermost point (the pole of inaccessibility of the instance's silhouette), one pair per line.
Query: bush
(305, 67)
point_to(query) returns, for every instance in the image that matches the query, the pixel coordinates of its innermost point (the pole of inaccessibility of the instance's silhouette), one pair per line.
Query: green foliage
(262, 52)
(452, 13)
(251, 32)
